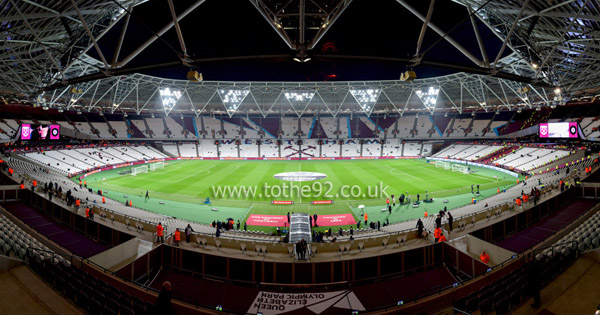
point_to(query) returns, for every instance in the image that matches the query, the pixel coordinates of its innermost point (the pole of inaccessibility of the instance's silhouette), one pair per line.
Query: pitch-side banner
(270, 303)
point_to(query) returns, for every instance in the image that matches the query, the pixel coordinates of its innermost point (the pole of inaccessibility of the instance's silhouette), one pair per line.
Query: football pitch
(238, 189)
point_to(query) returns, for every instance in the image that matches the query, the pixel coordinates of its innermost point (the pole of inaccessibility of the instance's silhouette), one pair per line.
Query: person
(425, 214)
(159, 233)
(378, 226)
(472, 191)
(103, 199)
(498, 190)
(237, 225)
(437, 232)
(390, 209)
(163, 302)
(393, 201)
(92, 214)
(87, 213)
(387, 202)
(366, 218)
(478, 189)
(288, 217)
(450, 219)
(176, 237)
(438, 221)
(341, 232)
(315, 217)
(351, 231)
(147, 196)
(419, 228)
(305, 248)
(218, 233)
(485, 258)
(534, 282)
(418, 197)
(189, 230)
(298, 250)
(245, 226)
(442, 238)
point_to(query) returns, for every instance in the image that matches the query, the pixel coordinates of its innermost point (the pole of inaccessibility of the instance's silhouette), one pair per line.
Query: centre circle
(299, 176)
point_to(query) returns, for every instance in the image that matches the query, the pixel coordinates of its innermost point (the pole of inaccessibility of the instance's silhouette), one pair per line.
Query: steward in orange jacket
(159, 233)
(485, 258)
(177, 237)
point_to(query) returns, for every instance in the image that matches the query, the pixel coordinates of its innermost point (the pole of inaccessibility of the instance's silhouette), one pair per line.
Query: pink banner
(267, 220)
(335, 219)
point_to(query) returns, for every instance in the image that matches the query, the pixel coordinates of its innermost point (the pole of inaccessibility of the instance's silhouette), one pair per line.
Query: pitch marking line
(404, 173)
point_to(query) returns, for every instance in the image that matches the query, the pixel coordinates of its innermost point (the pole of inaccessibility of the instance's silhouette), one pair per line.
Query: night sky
(368, 31)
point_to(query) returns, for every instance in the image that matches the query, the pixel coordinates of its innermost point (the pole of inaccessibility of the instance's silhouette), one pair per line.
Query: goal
(460, 168)
(139, 170)
(442, 164)
(157, 166)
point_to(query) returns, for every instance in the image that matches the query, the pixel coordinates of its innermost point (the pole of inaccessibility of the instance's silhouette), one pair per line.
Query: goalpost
(460, 168)
(442, 164)
(139, 170)
(157, 166)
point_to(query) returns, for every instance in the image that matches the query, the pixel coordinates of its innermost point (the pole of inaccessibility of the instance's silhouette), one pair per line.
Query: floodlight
(232, 99)
(557, 91)
(298, 96)
(366, 98)
(429, 96)
(169, 97)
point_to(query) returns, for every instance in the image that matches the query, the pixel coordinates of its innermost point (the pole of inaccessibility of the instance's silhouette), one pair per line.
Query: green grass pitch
(184, 185)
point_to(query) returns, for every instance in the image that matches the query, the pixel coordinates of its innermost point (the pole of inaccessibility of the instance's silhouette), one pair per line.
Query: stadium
(301, 157)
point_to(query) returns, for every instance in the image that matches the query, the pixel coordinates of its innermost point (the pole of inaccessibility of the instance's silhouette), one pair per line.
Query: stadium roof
(485, 55)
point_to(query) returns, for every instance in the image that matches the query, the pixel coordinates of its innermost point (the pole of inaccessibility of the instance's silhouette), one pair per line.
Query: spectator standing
(189, 230)
(419, 228)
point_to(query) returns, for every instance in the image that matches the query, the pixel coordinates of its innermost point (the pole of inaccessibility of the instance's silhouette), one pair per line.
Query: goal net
(157, 166)
(460, 168)
(139, 170)
(442, 164)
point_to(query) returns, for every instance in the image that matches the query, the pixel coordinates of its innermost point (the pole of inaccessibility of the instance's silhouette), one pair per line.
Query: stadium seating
(305, 126)
(120, 127)
(251, 129)
(171, 149)
(344, 128)
(310, 148)
(175, 128)
(228, 149)
(329, 124)
(290, 149)
(371, 147)
(330, 150)
(207, 148)
(412, 149)
(269, 150)
(290, 127)
(231, 128)
(392, 147)
(212, 126)
(188, 150)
